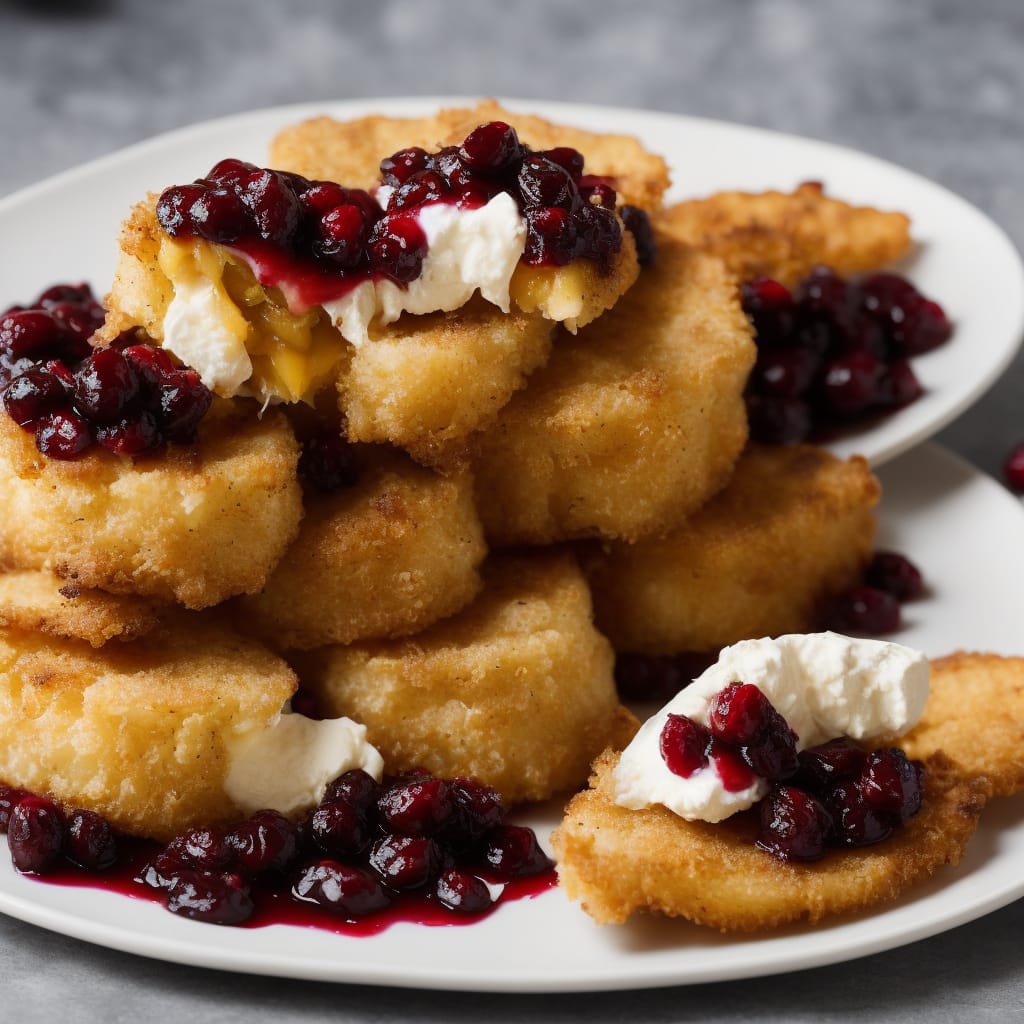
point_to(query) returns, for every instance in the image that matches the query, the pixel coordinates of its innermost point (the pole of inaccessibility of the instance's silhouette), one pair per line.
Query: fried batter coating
(784, 235)
(619, 861)
(136, 732)
(194, 524)
(386, 557)
(427, 382)
(634, 423)
(975, 714)
(794, 526)
(39, 601)
(350, 151)
(516, 690)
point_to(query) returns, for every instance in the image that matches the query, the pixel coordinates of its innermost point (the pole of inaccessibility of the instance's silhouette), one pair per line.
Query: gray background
(934, 85)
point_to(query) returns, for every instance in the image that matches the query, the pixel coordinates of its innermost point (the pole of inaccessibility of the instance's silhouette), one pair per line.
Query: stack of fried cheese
(504, 467)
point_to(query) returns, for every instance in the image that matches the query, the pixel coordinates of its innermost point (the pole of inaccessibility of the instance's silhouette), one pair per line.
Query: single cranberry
(512, 851)
(794, 824)
(323, 196)
(231, 171)
(855, 822)
(338, 828)
(823, 293)
(63, 435)
(895, 574)
(265, 841)
(173, 206)
(898, 385)
(566, 157)
(203, 847)
(740, 713)
(420, 808)
(924, 327)
(477, 810)
(542, 182)
(1013, 468)
(216, 898)
(683, 745)
(273, 203)
(448, 163)
(774, 755)
(733, 771)
(649, 677)
(849, 385)
(550, 236)
(891, 784)
(785, 372)
(183, 401)
(90, 841)
(778, 420)
(356, 787)
(599, 236)
(61, 293)
(35, 834)
(32, 332)
(401, 166)
(328, 464)
(638, 224)
(105, 385)
(151, 363)
(339, 888)
(343, 233)
(32, 395)
(131, 435)
(406, 862)
(9, 797)
(398, 247)
(462, 892)
(422, 188)
(821, 767)
(219, 215)
(867, 611)
(161, 871)
(491, 147)
(884, 293)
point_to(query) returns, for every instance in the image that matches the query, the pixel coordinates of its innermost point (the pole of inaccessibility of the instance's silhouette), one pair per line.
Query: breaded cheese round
(634, 423)
(794, 527)
(516, 690)
(386, 557)
(136, 732)
(193, 524)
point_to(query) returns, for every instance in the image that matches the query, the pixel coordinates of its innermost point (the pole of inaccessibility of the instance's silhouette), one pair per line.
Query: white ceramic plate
(66, 227)
(965, 532)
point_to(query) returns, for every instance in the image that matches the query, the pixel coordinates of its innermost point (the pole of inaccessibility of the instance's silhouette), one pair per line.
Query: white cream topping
(468, 249)
(824, 684)
(287, 766)
(198, 334)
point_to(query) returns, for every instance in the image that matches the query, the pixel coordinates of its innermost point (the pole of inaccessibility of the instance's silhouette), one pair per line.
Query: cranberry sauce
(413, 848)
(834, 352)
(872, 608)
(129, 398)
(832, 795)
(316, 239)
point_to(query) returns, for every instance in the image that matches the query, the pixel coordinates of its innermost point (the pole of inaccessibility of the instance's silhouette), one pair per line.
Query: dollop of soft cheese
(467, 250)
(825, 685)
(286, 767)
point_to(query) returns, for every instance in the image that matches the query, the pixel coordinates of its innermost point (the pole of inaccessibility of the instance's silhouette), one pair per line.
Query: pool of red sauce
(274, 904)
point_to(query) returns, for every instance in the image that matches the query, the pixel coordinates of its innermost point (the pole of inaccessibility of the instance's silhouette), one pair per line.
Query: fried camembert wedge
(794, 527)
(634, 423)
(784, 235)
(516, 689)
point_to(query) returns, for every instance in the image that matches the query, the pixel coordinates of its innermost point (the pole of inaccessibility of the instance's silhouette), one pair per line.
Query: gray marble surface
(935, 85)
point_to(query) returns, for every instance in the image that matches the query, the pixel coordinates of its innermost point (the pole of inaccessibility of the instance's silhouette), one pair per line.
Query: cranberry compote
(129, 398)
(834, 351)
(411, 848)
(318, 232)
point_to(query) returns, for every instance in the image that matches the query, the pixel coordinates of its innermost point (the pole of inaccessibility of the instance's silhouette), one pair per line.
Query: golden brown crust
(619, 861)
(195, 524)
(633, 423)
(975, 714)
(384, 558)
(39, 601)
(350, 152)
(516, 690)
(794, 526)
(784, 235)
(136, 732)
(427, 382)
